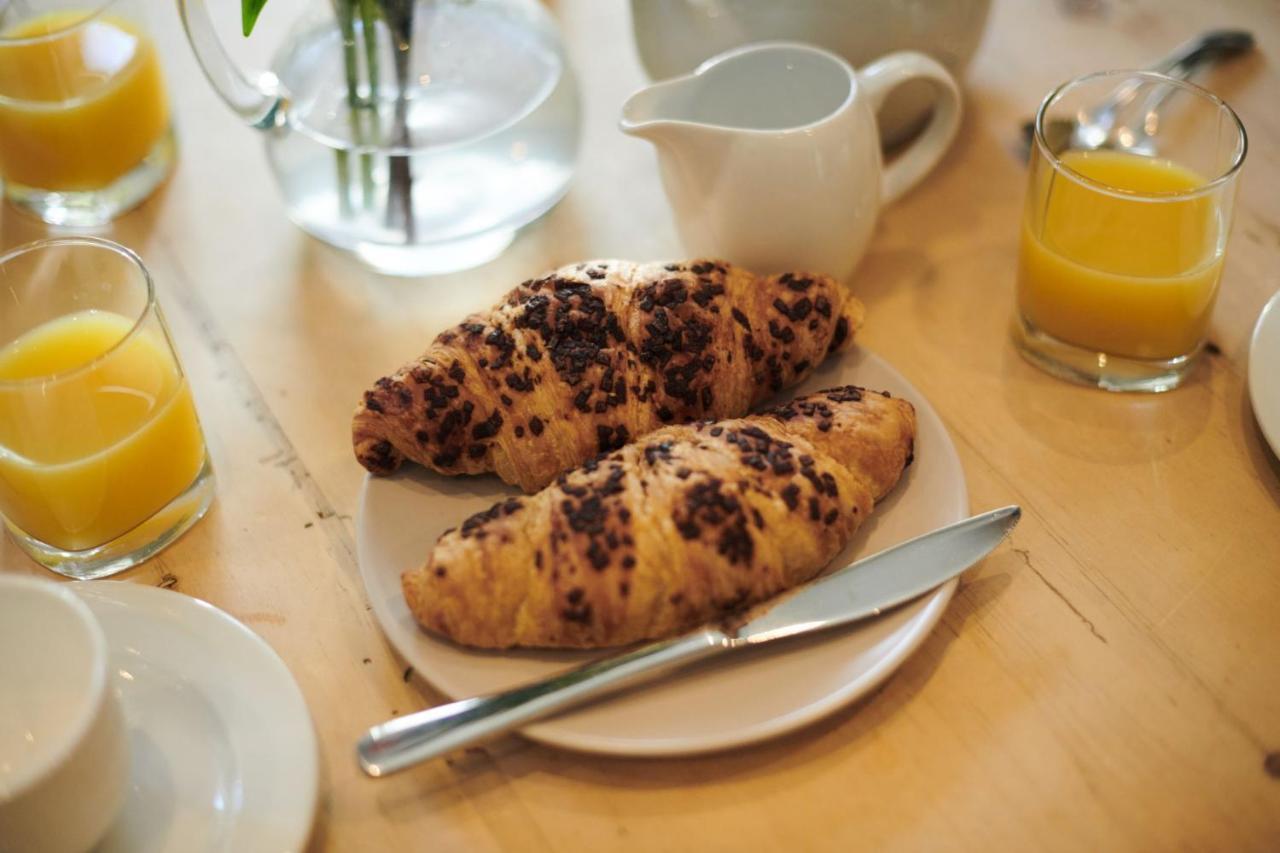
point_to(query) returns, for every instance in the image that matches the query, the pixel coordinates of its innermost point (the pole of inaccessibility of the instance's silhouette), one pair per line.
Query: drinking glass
(84, 119)
(102, 459)
(1129, 203)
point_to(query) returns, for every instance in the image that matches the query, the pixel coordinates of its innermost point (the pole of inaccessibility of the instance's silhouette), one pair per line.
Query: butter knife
(859, 591)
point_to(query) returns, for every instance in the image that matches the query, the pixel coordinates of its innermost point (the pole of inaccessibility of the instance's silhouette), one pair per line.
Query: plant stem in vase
(343, 10)
(399, 18)
(369, 35)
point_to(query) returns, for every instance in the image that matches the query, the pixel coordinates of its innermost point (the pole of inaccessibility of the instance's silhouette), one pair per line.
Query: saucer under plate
(222, 746)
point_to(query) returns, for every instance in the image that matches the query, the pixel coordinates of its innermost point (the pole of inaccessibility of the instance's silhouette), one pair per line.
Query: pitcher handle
(884, 75)
(262, 104)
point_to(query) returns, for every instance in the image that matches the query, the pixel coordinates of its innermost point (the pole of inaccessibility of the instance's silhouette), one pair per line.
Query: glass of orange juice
(84, 119)
(102, 460)
(1127, 213)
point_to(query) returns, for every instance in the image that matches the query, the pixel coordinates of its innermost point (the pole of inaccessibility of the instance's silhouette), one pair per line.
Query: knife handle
(413, 738)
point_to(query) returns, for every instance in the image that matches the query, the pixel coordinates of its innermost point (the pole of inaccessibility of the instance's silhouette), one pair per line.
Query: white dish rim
(304, 769)
(1268, 417)
(922, 626)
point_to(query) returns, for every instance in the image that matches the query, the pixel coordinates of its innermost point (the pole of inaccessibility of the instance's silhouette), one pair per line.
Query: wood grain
(1111, 680)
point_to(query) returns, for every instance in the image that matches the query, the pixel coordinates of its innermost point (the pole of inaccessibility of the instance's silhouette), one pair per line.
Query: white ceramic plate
(1264, 372)
(223, 750)
(721, 704)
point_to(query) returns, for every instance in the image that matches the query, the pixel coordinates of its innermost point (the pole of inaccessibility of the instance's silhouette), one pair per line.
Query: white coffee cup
(770, 155)
(64, 755)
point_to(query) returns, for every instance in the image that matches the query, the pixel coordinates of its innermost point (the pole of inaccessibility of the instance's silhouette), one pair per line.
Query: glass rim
(1180, 195)
(148, 307)
(61, 32)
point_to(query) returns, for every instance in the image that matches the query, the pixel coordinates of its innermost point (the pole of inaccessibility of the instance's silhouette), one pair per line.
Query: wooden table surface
(1110, 679)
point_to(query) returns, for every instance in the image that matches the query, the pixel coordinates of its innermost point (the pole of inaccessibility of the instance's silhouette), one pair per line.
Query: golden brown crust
(669, 532)
(588, 357)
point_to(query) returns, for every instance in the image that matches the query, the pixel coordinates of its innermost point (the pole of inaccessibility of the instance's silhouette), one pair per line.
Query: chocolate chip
(735, 544)
(844, 394)
(487, 428)
(597, 555)
(516, 382)
(782, 333)
(841, 332)
(587, 517)
(580, 615)
(446, 458)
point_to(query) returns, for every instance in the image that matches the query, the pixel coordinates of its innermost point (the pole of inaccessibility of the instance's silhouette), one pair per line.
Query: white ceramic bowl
(673, 37)
(64, 757)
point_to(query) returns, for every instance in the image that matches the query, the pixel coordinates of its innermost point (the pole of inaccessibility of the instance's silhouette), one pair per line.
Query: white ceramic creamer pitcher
(770, 155)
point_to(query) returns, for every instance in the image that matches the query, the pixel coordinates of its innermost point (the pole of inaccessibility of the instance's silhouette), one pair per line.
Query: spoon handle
(1208, 47)
(1205, 49)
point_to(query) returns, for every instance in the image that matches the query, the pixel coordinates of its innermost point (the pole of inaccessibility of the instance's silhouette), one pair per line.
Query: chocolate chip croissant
(687, 524)
(586, 358)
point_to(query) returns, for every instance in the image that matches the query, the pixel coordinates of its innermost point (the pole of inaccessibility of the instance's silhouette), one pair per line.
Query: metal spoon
(1204, 50)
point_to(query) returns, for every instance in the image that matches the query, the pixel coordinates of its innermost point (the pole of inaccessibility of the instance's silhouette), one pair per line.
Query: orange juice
(81, 102)
(1129, 275)
(102, 443)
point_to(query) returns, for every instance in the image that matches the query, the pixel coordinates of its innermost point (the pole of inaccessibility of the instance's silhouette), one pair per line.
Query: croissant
(683, 526)
(586, 358)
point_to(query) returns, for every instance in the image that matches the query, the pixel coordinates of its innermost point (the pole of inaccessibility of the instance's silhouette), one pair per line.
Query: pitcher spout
(660, 112)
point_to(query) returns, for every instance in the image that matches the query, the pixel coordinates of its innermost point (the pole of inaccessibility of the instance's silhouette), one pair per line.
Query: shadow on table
(1264, 461)
(1104, 426)
(479, 770)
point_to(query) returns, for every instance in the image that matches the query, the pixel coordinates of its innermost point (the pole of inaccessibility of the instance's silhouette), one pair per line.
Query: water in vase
(430, 166)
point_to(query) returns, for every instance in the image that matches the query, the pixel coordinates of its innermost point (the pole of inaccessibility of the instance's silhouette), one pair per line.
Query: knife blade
(859, 591)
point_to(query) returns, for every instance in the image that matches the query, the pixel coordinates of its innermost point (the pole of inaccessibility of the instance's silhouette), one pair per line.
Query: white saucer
(223, 750)
(709, 707)
(1264, 372)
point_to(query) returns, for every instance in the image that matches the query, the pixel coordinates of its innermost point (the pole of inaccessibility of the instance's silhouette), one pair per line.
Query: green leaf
(249, 11)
